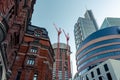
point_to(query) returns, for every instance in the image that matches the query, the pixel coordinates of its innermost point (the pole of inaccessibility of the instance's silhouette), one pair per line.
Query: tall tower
(35, 56)
(110, 21)
(63, 62)
(89, 15)
(84, 27)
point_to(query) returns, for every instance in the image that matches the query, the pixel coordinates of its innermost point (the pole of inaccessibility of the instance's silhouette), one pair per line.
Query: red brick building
(26, 51)
(14, 18)
(35, 56)
(23, 53)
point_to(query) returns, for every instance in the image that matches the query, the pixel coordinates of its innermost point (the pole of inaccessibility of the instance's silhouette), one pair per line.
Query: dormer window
(37, 33)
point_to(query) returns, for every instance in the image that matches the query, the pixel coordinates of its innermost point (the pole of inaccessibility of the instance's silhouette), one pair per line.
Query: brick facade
(35, 56)
(14, 18)
(16, 43)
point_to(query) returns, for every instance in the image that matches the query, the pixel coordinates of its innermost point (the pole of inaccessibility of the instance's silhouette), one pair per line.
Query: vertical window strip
(31, 61)
(35, 77)
(33, 50)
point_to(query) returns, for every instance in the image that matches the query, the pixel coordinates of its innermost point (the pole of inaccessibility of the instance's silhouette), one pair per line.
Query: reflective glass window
(99, 57)
(97, 44)
(99, 50)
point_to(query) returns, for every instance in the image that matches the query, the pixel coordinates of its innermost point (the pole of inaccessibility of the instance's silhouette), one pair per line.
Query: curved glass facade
(97, 47)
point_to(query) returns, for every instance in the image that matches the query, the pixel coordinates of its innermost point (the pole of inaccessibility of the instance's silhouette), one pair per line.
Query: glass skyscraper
(110, 21)
(84, 27)
(99, 46)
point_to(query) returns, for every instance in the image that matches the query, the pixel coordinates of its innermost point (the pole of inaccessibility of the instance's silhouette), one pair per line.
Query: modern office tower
(14, 18)
(98, 47)
(108, 70)
(35, 57)
(84, 27)
(110, 21)
(63, 67)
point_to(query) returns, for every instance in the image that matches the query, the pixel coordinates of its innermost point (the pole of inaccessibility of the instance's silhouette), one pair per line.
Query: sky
(65, 13)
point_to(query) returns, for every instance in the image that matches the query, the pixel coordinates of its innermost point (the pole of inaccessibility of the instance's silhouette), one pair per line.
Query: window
(87, 77)
(31, 61)
(109, 76)
(92, 74)
(33, 50)
(16, 38)
(35, 77)
(37, 33)
(98, 71)
(18, 75)
(106, 67)
(1, 72)
(36, 40)
(100, 78)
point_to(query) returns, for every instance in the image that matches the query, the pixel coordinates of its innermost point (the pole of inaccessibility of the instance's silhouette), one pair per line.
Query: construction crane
(58, 51)
(68, 53)
(67, 38)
